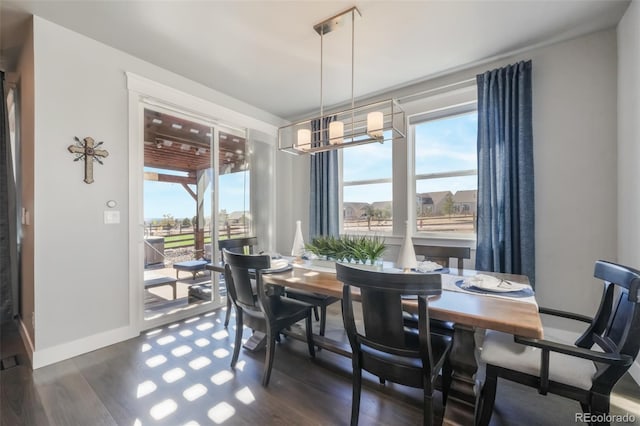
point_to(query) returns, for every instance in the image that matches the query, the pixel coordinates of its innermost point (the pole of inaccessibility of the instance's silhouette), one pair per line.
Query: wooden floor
(180, 375)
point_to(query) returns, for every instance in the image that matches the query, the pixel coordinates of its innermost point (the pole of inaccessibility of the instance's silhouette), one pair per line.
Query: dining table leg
(462, 399)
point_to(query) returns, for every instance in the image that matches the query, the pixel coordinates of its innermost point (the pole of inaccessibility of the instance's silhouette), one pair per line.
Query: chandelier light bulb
(375, 124)
(336, 132)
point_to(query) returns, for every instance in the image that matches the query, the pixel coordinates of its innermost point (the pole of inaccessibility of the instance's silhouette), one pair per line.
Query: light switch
(111, 217)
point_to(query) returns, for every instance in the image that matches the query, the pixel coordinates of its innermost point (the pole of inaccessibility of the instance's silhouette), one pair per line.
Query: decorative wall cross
(87, 151)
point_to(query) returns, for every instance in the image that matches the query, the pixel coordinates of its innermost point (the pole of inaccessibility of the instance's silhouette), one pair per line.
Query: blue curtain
(505, 222)
(323, 212)
(8, 219)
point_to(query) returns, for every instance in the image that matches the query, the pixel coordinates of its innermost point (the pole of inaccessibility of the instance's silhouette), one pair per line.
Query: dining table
(469, 311)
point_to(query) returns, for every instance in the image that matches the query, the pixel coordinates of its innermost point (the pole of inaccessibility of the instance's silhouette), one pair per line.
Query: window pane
(447, 146)
(371, 161)
(367, 208)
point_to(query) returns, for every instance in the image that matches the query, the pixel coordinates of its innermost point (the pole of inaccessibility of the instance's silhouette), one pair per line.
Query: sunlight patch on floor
(181, 350)
(145, 388)
(199, 363)
(221, 353)
(155, 361)
(221, 412)
(219, 335)
(174, 375)
(245, 395)
(162, 410)
(221, 377)
(194, 392)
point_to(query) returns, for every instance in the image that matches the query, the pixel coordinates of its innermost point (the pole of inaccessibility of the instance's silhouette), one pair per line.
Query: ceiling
(174, 143)
(267, 54)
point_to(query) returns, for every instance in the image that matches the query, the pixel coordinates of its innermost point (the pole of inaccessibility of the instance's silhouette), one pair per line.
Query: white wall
(80, 264)
(629, 142)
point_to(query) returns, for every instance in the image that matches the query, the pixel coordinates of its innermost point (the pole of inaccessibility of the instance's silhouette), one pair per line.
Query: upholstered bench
(160, 281)
(193, 266)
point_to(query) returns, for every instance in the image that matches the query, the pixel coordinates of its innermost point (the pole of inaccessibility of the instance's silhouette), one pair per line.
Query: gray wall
(629, 143)
(574, 113)
(80, 265)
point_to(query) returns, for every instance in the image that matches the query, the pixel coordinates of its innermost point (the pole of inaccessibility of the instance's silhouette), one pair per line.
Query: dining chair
(443, 256)
(575, 371)
(385, 347)
(236, 245)
(263, 310)
(317, 301)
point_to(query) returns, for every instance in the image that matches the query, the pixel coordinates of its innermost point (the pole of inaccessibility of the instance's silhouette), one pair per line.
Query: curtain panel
(323, 212)
(8, 218)
(505, 221)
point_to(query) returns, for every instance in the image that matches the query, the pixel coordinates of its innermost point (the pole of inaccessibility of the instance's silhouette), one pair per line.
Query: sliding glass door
(196, 190)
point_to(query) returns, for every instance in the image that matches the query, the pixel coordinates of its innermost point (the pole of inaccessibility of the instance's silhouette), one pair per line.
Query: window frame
(413, 122)
(431, 103)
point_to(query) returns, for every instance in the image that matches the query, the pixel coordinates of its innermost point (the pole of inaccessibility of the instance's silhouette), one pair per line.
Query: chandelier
(375, 122)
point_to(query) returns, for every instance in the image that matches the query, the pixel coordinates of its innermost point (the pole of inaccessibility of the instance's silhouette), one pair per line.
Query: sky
(162, 198)
(441, 145)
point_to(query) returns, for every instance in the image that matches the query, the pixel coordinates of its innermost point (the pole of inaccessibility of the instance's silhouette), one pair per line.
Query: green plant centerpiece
(348, 248)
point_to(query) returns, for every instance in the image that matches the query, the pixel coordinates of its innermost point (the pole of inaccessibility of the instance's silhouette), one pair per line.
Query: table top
(474, 310)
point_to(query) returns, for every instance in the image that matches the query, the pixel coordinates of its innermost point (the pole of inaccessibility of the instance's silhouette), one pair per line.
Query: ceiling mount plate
(330, 24)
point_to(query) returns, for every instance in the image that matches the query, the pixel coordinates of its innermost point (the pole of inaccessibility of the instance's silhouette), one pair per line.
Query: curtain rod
(462, 83)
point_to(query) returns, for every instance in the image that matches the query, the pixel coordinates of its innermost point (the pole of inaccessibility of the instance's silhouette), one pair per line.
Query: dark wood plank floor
(180, 375)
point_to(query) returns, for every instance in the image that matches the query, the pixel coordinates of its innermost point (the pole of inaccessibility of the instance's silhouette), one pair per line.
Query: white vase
(297, 250)
(407, 257)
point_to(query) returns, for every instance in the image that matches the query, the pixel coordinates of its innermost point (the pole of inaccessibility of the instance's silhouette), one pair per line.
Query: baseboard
(68, 350)
(26, 340)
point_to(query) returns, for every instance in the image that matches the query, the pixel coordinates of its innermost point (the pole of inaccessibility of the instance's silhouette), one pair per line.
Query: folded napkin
(428, 266)
(279, 263)
(490, 283)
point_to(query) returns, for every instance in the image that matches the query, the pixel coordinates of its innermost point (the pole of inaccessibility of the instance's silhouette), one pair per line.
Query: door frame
(143, 91)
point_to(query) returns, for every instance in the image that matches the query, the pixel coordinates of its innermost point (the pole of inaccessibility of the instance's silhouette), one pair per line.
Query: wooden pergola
(177, 144)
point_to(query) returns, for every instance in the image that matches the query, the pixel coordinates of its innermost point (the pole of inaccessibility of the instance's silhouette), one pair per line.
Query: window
(367, 188)
(446, 172)
(429, 179)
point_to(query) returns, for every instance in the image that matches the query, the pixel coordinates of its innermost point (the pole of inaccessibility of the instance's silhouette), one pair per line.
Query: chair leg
(488, 396)
(315, 313)
(309, 330)
(446, 380)
(228, 314)
(599, 408)
(428, 408)
(268, 362)
(355, 402)
(323, 319)
(238, 341)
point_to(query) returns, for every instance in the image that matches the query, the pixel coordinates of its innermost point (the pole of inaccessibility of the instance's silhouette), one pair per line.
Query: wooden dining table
(468, 311)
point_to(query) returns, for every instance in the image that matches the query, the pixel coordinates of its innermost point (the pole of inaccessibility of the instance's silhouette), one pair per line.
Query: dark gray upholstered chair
(573, 371)
(235, 245)
(386, 348)
(264, 312)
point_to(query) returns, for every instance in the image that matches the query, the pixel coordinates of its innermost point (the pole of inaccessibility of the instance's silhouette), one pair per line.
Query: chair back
(616, 325)
(382, 297)
(239, 269)
(237, 245)
(442, 254)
